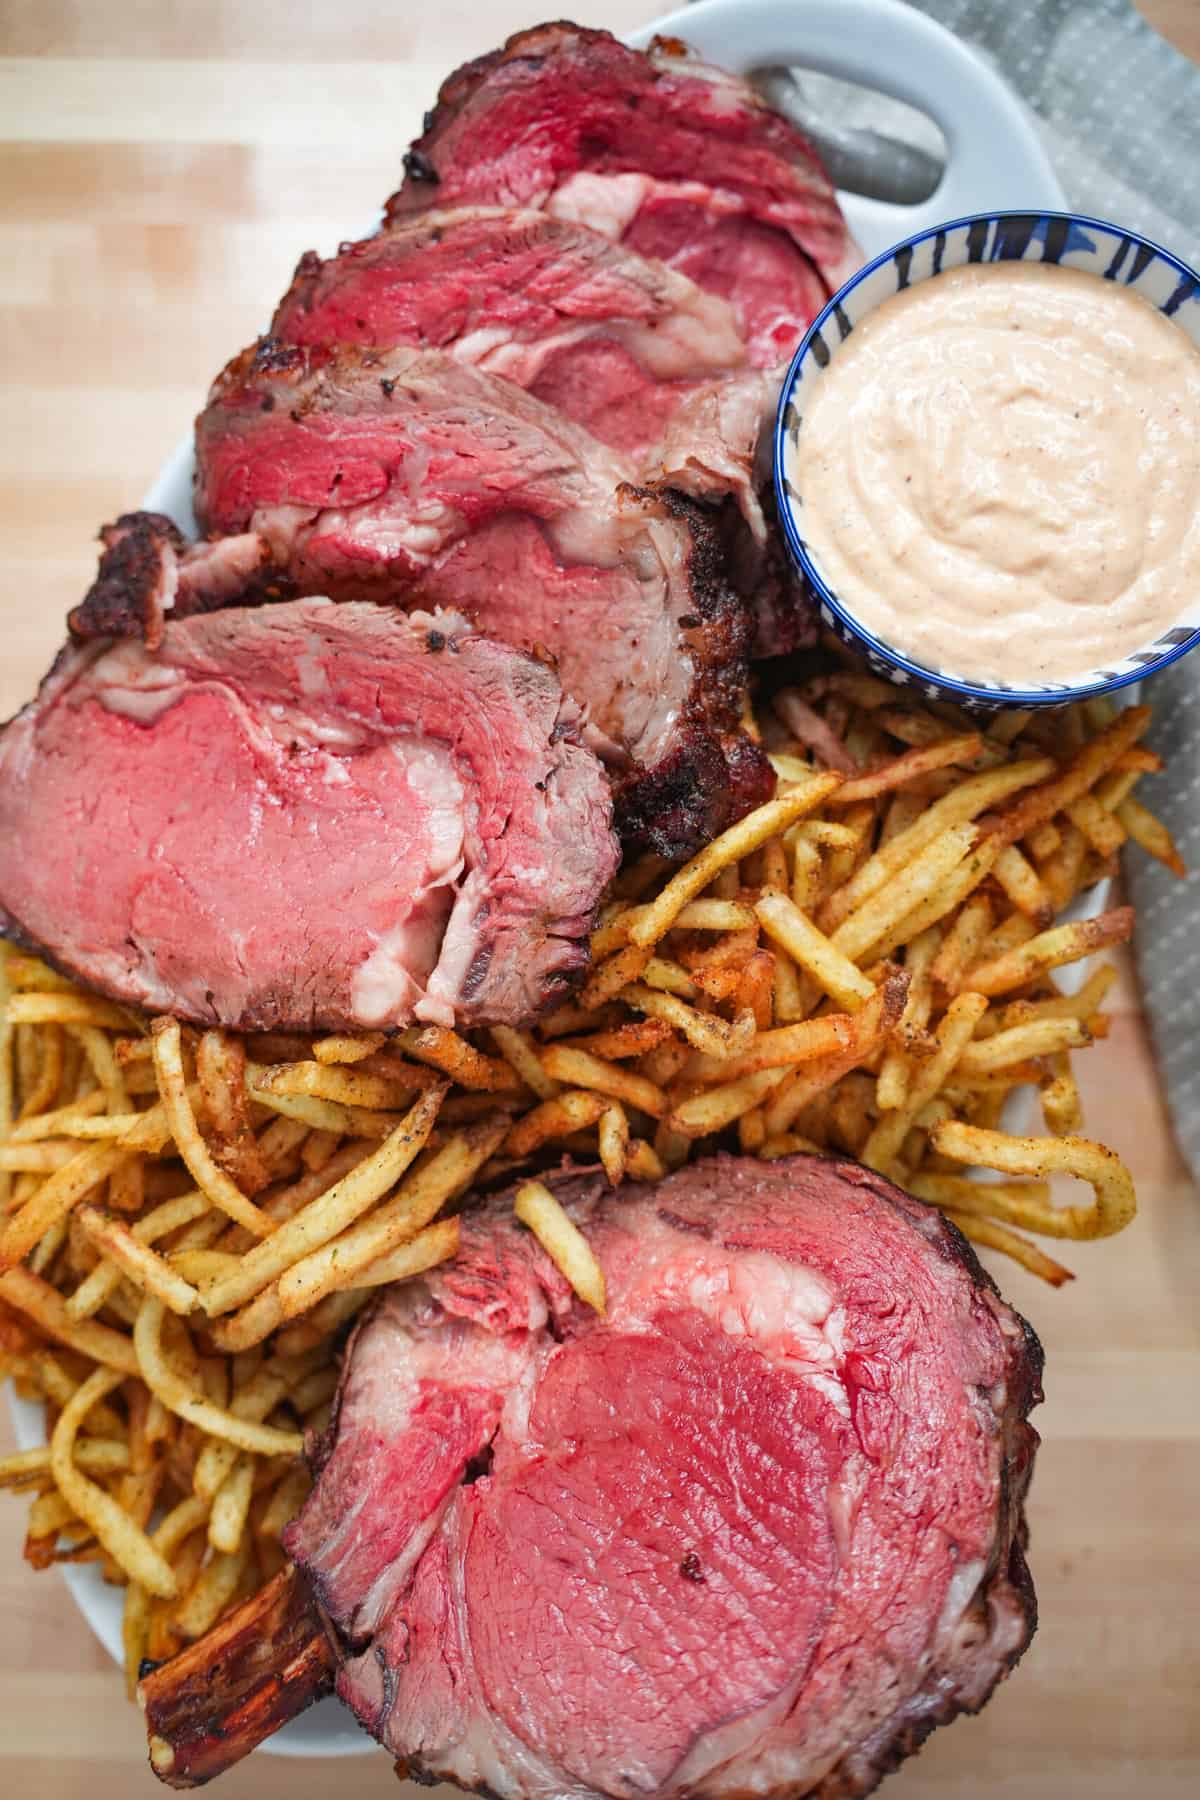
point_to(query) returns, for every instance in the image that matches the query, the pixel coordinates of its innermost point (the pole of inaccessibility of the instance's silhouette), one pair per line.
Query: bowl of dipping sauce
(987, 460)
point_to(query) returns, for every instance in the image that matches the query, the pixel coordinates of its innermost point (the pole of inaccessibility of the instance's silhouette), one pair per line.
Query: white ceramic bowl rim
(1086, 687)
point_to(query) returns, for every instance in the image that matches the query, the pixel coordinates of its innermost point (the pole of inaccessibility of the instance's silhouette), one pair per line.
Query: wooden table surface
(162, 163)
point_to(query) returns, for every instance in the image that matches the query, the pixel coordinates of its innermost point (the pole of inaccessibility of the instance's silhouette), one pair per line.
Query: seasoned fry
(718, 1107)
(436, 1244)
(415, 1203)
(910, 767)
(961, 806)
(340, 1049)
(704, 1031)
(125, 1542)
(833, 971)
(231, 1505)
(562, 1241)
(1151, 834)
(331, 1212)
(1114, 1204)
(579, 1069)
(998, 1237)
(167, 1044)
(572, 1111)
(135, 1259)
(516, 1047)
(1049, 950)
(175, 1394)
(740, 839)
(1023, 885)
(85, 1170)
(613, 1140)
(44, 1304)
(924, 877)
(953, 1035)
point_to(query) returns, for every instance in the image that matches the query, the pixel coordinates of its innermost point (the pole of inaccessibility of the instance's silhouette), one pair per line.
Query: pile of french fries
(865, 965)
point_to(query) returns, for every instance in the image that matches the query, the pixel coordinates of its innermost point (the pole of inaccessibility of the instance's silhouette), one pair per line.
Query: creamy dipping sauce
(1000, 472)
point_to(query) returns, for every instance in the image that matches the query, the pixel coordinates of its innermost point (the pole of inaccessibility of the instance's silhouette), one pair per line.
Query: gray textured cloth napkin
(1119, 113)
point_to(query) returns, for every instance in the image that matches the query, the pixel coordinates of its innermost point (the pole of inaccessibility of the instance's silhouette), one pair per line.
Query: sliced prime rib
(755, 1531)
(616, 341)
(671, 157)
(412, 477)
(306, 816)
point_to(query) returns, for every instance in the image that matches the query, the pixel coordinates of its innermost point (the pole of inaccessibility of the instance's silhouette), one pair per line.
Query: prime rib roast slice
(617, 342)
(671, 157)
(413, 477)
(309, 816)
(756, 1531)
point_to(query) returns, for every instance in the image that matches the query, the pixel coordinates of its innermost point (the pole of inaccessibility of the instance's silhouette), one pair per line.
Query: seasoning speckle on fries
(190, 1220)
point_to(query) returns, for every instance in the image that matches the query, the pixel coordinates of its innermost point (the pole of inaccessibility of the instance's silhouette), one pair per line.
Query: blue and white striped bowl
(1068, 239)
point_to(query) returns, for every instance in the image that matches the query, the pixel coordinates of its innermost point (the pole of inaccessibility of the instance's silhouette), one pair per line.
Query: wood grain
(161, 167)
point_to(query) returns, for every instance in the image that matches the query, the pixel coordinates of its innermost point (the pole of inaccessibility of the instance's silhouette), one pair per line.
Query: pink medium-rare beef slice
(413, 477)
(308, 816)
(614, 340)
(757, 1530)
(679, 160)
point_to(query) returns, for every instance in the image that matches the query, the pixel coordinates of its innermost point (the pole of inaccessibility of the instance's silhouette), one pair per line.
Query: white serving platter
(994, 160)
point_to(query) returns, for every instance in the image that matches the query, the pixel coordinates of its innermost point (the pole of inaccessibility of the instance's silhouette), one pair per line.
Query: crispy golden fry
(231, 1505)
(124, 1541)
(580, 1070)
(1094, 759)
(221, 1072)
(833, 971)
(331, 1212)
(167, 1043)
(925, 877)
(137, 1261)
(1103, 832)
(961, 806)
(175, 1394)
(45, 1305)
(69, 1008)
(707, 1032)
(625, 1042)
(95, 1456)
(613, 1140)
(960, 946)
(85, 1170)
(782, 1048)
(572, 1111)
(1062, 1108)
(213, 1591)
(1049, 950)
(718, 1107)
(998, 1237)
(1036, 1037)
(414, 1205)
(517, 1049)
(436, 1244)
(562, 1241)
(1151, 834)
(910, 767)
(1113, 1207)
(871, 1027)
(445, 1050)
(765, 822)
(953, 1035)
(340, 1049)
(1023, 885)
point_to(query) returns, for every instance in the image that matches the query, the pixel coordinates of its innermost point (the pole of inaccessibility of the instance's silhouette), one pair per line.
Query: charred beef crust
(135, 581)
(716, 773)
